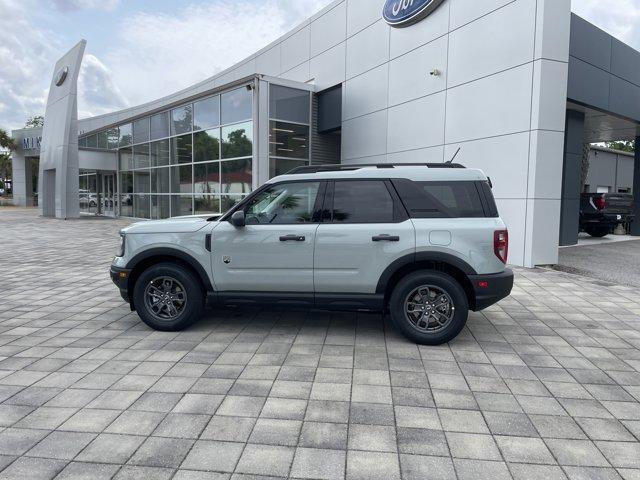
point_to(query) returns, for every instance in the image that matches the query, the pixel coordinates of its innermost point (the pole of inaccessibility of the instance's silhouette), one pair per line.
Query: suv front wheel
(168, 297)
(429, 308)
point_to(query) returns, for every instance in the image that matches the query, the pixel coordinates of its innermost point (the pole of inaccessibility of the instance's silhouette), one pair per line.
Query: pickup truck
(600, 213)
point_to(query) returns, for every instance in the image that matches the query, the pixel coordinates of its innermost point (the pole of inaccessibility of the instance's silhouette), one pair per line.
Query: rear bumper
(611, 219)
(490, 289)
(120, 276)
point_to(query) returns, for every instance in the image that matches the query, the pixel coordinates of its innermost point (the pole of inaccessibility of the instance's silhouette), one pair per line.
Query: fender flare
(175, 253)
(421, 257)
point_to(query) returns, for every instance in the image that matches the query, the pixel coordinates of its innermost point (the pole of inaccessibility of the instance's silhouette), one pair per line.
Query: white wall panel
(553, 30)
(545, 171)
(404, 40)
(365, 136)
(465, 11)
(417, 124)
(361, 14)
(328, 68)
(422, 155)
(366, 93)
(496, 105)
(409, 75)
(299, 73)
(329, 30)
(368, 49)
(543, 225)
(493, 43)
(268, 63)
(295, 49)
(549, 95)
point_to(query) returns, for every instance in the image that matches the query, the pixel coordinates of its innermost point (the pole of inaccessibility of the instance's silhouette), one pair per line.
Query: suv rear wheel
(598, 232)
(168, 297)
(430, 308)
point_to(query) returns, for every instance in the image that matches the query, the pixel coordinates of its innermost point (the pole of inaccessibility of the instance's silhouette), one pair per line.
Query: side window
(364, 201)
(441, 199)
(284, 204)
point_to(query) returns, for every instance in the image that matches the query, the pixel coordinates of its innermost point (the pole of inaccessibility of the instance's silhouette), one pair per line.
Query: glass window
(207, 204)
(141, 157)
(286, 204)
(82, 142)
(159, 125)
(236, 105)
(160, 153)
(237, 140)
(288, 140)
(160, 180)
(125, 135)
(181, 149)
(362, 202)
(181, 205)
(181, 120)
(289, 104)
(126, 158)
(280, 166)
(460, 199)
(227, 202)
(141, 206)
(141, 130)
(236, 176)
(112, 138)
(206, 113)
(92, 141)
(160, 207)
(126, 195)
(206, 145)
(102, 140)
(207, 177)
(141, 181)
(181, 179)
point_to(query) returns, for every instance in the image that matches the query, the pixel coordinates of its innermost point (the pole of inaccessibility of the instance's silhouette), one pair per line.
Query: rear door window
(364, 201)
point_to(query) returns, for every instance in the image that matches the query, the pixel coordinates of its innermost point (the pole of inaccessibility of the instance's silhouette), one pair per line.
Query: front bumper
(490, 289)
(120, 276)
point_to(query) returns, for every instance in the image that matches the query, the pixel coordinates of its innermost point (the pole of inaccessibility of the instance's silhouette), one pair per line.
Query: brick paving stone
(544, 385)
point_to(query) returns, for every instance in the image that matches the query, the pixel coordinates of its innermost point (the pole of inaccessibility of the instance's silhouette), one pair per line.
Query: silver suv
(424, 242)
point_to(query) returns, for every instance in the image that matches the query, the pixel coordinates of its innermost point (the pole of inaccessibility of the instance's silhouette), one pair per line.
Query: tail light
(501, 245)
(600, 202)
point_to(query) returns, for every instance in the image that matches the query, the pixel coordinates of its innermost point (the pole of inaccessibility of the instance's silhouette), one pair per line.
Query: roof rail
(338, 168)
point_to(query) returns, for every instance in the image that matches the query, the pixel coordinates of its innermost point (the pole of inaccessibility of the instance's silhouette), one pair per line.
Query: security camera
(435, 72)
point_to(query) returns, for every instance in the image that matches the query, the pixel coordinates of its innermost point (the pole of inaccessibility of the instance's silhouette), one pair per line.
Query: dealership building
(516, 87)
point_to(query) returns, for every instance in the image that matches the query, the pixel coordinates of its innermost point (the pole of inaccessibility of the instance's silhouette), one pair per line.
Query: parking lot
(545, 385)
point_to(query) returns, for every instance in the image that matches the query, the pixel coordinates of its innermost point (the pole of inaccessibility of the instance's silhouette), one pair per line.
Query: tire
(176, 314)
(455, 310)
(598, 232)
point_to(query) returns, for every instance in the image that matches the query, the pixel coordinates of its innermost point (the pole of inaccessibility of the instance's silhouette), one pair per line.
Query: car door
(365, 229)
(274, 251)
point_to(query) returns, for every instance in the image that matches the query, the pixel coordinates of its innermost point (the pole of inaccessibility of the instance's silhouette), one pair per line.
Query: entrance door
(108, 194)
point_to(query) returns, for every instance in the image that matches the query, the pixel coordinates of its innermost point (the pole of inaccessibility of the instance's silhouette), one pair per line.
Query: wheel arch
(144, 260)
(434, 261)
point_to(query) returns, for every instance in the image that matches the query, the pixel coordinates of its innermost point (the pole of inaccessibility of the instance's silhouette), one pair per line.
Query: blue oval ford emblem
(402, 13)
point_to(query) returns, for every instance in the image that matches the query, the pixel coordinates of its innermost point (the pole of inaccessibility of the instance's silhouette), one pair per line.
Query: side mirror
(238, 219)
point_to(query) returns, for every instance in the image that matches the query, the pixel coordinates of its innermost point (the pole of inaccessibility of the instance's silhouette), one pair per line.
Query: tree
(622, 146)
(5, 168)
(35, 122)
(6, 141)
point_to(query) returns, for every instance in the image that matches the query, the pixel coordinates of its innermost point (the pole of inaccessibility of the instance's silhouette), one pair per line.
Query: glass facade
(198, 158)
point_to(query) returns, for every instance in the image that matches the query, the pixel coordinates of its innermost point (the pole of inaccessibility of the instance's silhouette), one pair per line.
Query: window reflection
(159, 125)
(227, 202)
(236, 105)
(281, 166)
(113, 138)
(181, 149)
(181, 179)
(207, 177)
(237, 140)
(236, 176)
(206, 113)
(160, 153)
(181, 120)
(289, 104)
(181, 205)
(206, 145)
(160, 206)
(102, 140)
(207, 204)
(141, 156)
(125, 135)
(141, 206)
(141, 130)
(141, 181)
(126, 158)
(160, 180)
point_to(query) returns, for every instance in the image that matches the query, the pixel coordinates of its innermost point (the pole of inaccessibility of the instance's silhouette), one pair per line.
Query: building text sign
(31, 143)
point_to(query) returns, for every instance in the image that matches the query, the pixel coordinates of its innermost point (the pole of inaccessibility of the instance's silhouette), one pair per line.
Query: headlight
(122, 244)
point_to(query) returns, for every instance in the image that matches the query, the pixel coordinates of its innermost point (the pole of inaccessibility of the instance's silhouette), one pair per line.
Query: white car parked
(425, 242)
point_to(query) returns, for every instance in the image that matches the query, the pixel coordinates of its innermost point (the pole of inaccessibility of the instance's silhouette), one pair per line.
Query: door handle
(292, 238)
(386, 238)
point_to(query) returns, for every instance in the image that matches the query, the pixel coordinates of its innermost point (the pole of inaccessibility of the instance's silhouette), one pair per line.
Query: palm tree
(6, 141)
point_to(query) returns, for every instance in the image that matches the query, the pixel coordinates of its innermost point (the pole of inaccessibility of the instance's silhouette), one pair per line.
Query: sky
(140, 50)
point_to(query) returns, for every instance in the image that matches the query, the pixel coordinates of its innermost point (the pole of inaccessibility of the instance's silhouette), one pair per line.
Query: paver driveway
(545, 385)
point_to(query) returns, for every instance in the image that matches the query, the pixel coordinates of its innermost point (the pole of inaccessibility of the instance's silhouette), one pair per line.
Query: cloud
(157, 54)
(98, 93)
(71, 5)
(620, 18)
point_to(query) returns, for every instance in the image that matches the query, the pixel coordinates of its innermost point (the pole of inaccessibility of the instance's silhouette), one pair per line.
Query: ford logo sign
(61, 76)
(402, 13)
